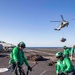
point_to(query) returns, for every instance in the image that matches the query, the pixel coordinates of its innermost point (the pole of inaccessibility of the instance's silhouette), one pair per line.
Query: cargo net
(63, 40)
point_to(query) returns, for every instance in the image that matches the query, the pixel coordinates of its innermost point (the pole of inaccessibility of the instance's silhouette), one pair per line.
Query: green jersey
(66, 52)
(18, 55)
(64, 66)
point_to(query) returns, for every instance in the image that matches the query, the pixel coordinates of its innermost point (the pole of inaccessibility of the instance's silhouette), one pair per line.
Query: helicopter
(63, 23)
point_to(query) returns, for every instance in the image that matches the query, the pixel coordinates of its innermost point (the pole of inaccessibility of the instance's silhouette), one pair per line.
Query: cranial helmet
(59, 54)
(64, 47)
(22, 44)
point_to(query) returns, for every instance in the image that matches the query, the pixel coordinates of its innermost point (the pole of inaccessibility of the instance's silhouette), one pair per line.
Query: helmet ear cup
(19, 45)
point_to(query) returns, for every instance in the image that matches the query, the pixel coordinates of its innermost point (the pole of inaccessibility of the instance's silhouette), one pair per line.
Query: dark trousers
(72, 73)
(17, 69)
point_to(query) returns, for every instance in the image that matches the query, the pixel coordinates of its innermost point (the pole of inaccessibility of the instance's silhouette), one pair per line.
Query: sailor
(64, 65)
(66, 51)
(17, 58)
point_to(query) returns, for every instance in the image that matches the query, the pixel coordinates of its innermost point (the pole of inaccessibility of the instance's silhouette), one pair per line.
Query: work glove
(29, 68)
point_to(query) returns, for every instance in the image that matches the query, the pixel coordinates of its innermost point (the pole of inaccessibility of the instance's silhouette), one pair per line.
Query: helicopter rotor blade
(62, 17)
(55, 21)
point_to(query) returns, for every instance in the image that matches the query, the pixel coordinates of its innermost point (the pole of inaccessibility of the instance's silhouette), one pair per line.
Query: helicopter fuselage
(64, 23)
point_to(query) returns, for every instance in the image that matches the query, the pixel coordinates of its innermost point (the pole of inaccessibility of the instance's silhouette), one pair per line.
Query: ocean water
(36, 48)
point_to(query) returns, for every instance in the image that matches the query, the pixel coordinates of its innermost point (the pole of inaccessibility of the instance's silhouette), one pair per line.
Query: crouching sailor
(64, 65)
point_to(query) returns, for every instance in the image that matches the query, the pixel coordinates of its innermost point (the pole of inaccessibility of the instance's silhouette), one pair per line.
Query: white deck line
(43, 72)
(3, 70)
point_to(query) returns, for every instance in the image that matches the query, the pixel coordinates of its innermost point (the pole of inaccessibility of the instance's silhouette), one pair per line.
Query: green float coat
(18, 55)
(64, 66)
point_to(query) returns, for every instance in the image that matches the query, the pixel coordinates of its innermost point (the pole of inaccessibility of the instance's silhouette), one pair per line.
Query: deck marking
(3, 69)
(43, 72)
